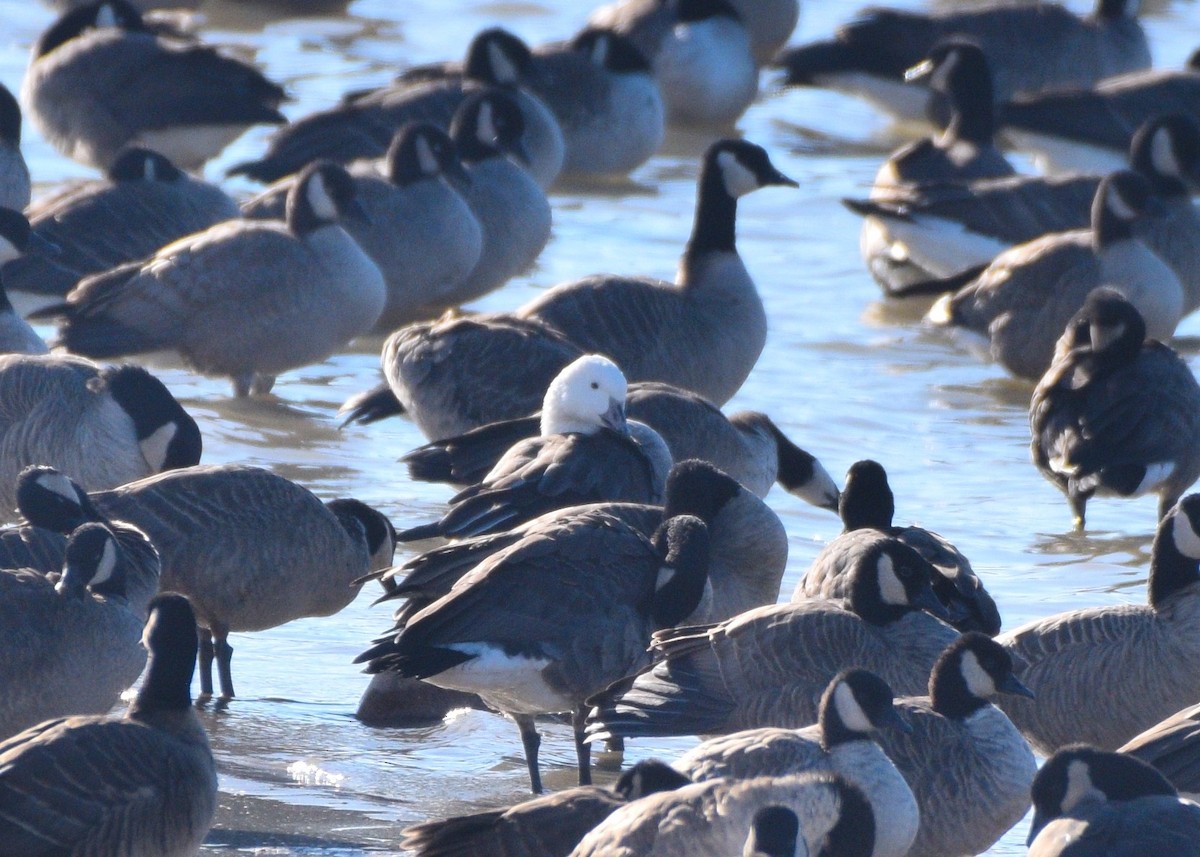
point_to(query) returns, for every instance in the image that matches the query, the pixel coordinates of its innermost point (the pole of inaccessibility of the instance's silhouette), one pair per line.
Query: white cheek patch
(979, 682)
(739, 179)
(426, 159)
(1104, 336)
(1118, 205)
(106, 16)
(665, 575)
(849, 711)
(1156, 473)
(485, 128)
(319, 200)
(1162, 154)
(503, 69)
(1079, 786)
(600, 51)
(155, 447)
(108, 562)
(8, 250)
(149, 170)
(891, 590)
(60, 485)
(1185, 537)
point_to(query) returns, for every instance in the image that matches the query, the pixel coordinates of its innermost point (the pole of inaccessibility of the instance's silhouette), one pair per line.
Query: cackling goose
(70, 647)
(854, 706)
(422, 234)
(1032, 45)
(866, 509)
(1089, 803)
(1147, 654)
(100, 80)
(246, 299)
(15, 187)
(252, 550)
(548, 826)
(143, 784)
(586, 453)
(144, 203)
(967, 764)
(1171, 747)
(16, 238)
(1021, 302)
(717, 817)
(542, 625)
(1115, 414)
(769, 666)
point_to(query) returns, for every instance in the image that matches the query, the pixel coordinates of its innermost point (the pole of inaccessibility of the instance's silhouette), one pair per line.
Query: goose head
(739, 167)
(371, 526)
(166, 434)
(1166, 151)
(856, 704)
(1175, 557)
(692, 11)
(49, 499)
(134, 164)
(867, 499)
(890, 580)
(489, 124)
(171, 639)
(682, 542)
(17, 238)
(1115, 10)
(773, 833)
(323, 194)
(422, 151)
(799, 472)
(696, 487)
(83, 19)
(586, 396)
(648, 777)
(611, 51)
(1108, 331)
(10, 118)
(970, 673)
(1121, 200)
(497, 57)
(958, 73)
(93, 558)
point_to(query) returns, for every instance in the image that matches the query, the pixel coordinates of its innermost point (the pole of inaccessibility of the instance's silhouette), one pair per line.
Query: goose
(866, 508)
(769, 666)
(542, 625)
(1022, 301)
(1170, 746)
(548, 826)
(1089, 803)
(141, 784)
(1090, 129)
(15, 186)
(774, 832)
(16, 238)
(587, 452)
(144, 202)
(244, 299)
(364, 124)
(717, 817)
(1061, 654)
(854, 706)
(99, 80)
(250, 549)
(1032, 45)
(103, 426)
(70, 647)
(1115, 414)
(967, 764)
(422, 234)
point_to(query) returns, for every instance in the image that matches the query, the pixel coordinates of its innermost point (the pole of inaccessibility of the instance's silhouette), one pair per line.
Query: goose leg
(531, 740)
(583, 750)
(242, 384)
(224, 653)
(261, 385)
(205, 656)
(1078, 502)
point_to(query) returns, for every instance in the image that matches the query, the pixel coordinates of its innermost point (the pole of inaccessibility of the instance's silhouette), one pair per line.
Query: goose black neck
(853, 835)
(10, 118)
(1170, 570)
(867, 501)
(78, 21)
(714, 229)
(173, 645)
(972, 117)
(683, 541)
(1107, 227)
(1112, 10)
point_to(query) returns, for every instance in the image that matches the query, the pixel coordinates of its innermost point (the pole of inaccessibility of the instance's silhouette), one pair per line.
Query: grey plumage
(15, 187)
(1171, 746)
(16, 238)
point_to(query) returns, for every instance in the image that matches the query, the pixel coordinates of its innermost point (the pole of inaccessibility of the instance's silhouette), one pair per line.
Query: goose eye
(595, 385)
(904, 572)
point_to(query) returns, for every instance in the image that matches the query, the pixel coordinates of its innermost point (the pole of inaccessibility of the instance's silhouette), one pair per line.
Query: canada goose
(1115, 414)
(145, 202)
(1022, 301)
(103, 426)
(363, 125)
(854, 706)
(967, 764)
(422, 234)
(99, 81)
(546, 623)
(16, 238)
(252, 550)
(1032, 46)
(15, 187)
(548, 826)
(775, 832)
(1090, 129)
(716, 817)
(586, 453)
(247, 299)
(70, 647)
(1170, 746)
(1088, 803)
(705, 331)
(769, 666)
(1146, 651)
(866, 508)
(142, 784)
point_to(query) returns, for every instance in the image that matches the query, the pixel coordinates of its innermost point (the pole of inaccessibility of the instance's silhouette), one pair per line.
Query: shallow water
(846, 375)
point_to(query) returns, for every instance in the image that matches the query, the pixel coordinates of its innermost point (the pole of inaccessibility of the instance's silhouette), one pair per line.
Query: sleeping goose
(1171, 747)
(244, 299)
(854, 706)
(100, 80)
(141, 784)
(250, 549)
(1116, 414)
(769, 666)
(1032, 45)
(866, 509)
(1146, 653)
(586, 453)
(1089, 803)
(15, 187)
(545, 623)
(1020, 304)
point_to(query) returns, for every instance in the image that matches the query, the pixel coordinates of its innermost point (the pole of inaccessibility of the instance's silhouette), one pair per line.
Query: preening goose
(586, 453)
(769, 666)
(252, 550)
(245, 299)
(1021, 303)
(542, 625)
(1088, 803)
(100, 80)
(141, 784)
(1146, 653)
(1172, 748)
(854, 706)
(1116, 414)
(15, 187)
